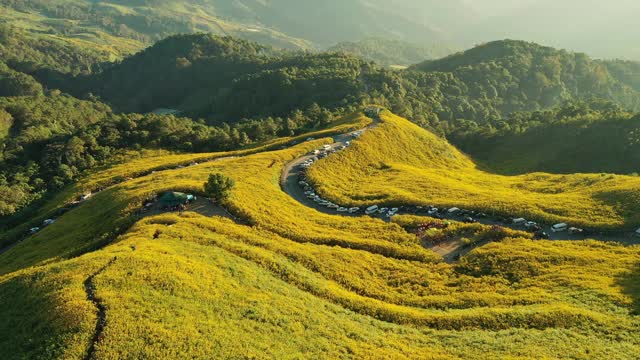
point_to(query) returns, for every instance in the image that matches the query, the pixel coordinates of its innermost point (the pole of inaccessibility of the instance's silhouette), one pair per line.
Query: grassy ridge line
(400, 163)
(145, 166)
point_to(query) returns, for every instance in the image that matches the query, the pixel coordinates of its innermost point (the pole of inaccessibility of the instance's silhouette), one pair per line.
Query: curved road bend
(289, 184)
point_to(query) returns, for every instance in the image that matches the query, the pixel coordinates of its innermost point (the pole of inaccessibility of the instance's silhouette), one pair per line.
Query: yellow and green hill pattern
(295, 283)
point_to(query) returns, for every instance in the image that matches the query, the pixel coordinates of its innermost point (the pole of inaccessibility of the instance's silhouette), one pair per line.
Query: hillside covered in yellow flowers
(106, 281)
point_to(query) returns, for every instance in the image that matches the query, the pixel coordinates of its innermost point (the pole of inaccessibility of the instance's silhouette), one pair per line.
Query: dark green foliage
(218, 187)
(577, 137)
(225, 78)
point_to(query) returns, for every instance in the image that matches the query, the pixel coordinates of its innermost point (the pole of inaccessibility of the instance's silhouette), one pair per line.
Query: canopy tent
(175, 198)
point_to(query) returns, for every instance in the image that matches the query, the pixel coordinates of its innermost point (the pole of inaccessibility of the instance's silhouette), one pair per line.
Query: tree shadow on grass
(630, 283)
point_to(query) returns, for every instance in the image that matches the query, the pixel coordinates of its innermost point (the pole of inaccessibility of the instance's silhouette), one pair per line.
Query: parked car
(34, 230)
(559, 227)
(576, 231)
(354, 210)
(530, 224)
(453, 211)
(371, 210)
(383, 210)
(470, 220)
(519, 221)
(342, 209)
(48, 222)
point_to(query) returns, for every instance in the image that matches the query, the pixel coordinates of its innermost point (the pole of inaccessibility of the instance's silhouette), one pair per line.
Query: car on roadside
(371, 210)
(342, 209)
(470, 220)
(576, 231)
(530, 224)
(383, 210)
(354, 210)
(559, 227)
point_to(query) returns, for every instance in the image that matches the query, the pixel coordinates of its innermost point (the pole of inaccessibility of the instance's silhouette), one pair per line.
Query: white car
(530, 224)
(342, 209)
(34, 230)
(371, 210)
(354, 210)
(333, 206)
(383, 210)
(559, 227)
(48, 222)
(433, 211)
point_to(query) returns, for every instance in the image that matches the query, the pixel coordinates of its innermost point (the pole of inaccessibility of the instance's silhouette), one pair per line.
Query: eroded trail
(101, 321)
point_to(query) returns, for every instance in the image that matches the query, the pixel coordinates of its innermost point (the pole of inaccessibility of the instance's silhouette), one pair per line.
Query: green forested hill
(198, 74)
(517, 75)
(225, 78)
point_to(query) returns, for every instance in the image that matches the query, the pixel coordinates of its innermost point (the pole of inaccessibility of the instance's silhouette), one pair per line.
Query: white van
(371, 209)
(560, 227)
(519, 221)
(453, 211)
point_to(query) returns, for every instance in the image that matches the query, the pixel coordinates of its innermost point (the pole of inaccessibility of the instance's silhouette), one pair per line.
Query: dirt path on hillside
(101, 321)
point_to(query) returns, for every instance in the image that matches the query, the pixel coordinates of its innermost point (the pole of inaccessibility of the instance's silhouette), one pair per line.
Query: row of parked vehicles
(45, 223)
